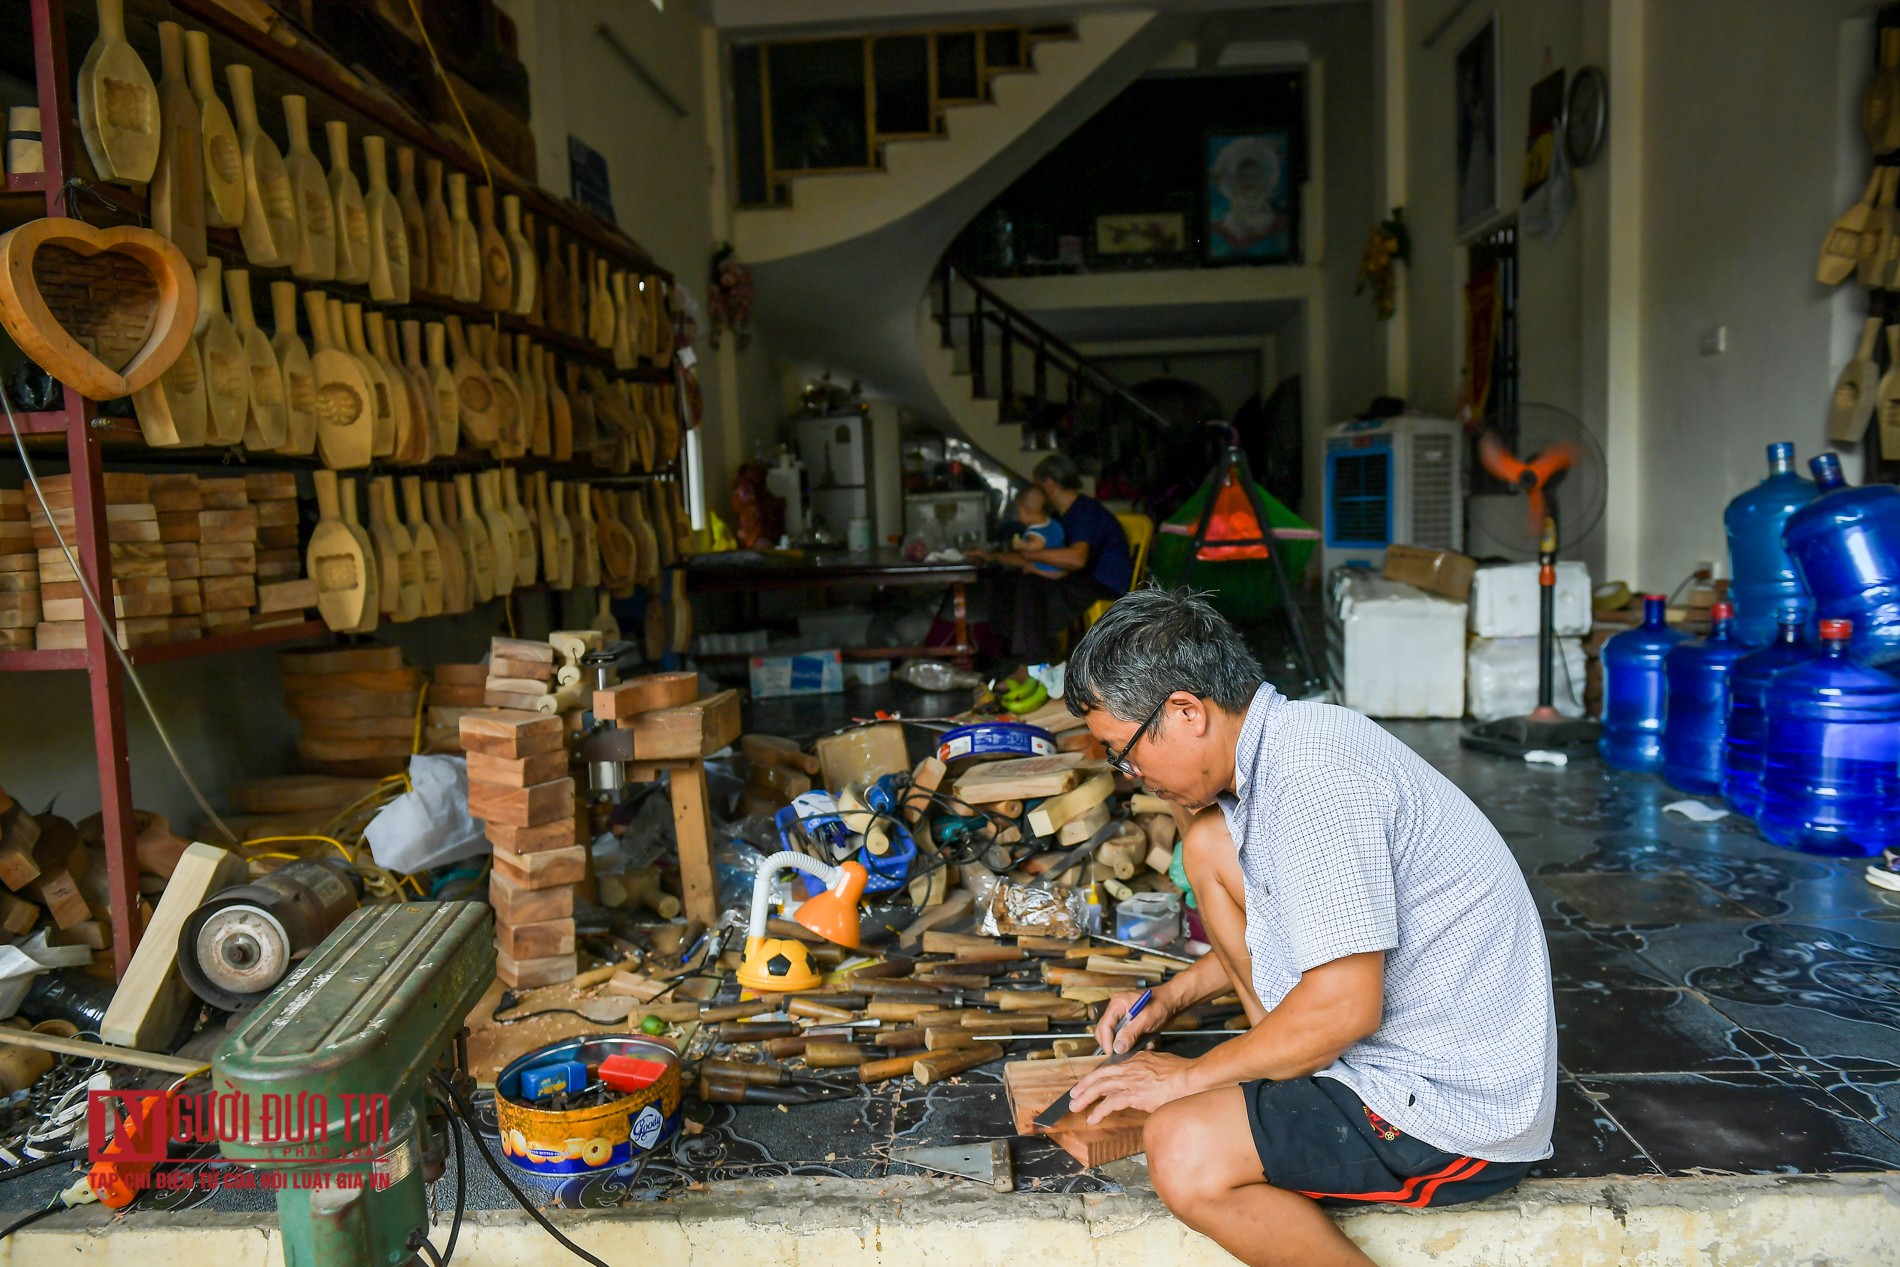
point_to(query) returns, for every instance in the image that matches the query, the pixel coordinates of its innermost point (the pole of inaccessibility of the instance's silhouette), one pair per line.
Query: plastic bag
(1019, 909)
(429, 825)
(935, 675)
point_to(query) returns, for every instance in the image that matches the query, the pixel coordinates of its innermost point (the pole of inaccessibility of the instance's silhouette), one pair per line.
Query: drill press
(331, 1073)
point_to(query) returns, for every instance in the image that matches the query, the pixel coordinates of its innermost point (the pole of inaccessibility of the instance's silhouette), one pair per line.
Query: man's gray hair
(1152, 643)
(1059, 469)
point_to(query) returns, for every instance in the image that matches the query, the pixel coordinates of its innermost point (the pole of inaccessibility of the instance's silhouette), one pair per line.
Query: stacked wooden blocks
(518, 787)
(141, 590)
(19, 572)
(357, 705)
(520, 675)
(455, 691)
(227, 551)
(42, 861)
(178, 501)
(284, 593)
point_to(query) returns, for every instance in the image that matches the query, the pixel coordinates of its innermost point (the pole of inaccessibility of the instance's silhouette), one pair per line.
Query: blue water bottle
(1697, 716)
(1747, 711)
(1846, 545)
(1635, 691)
(1765, 584)
(1831, 770)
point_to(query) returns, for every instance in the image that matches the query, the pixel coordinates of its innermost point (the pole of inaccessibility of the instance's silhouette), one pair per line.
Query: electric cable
(467, 1112)
(461, 1192)
(51, 1159)
(107, 626)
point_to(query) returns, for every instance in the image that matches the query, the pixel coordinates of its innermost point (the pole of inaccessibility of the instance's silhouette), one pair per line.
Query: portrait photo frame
(1250, 212)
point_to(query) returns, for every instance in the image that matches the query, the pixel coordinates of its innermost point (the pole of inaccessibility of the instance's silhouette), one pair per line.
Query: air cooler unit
(1392, 480)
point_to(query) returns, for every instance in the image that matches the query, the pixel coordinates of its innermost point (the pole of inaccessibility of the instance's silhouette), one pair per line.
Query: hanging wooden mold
(118, 103)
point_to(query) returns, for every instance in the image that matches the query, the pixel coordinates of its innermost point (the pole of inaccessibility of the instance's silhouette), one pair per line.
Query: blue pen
(1133, 1012)
(1057, 1111)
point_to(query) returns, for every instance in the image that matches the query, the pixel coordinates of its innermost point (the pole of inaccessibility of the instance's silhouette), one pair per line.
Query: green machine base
(328, 1078)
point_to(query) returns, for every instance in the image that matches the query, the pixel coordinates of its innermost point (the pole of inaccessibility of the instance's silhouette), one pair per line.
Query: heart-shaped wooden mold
(104, 311)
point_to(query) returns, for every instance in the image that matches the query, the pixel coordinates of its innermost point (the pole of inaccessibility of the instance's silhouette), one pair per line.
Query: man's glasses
(1119, 760)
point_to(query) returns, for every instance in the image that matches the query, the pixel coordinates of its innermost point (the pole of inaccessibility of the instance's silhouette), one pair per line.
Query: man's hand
(1153, 1017)
(1144, 1081)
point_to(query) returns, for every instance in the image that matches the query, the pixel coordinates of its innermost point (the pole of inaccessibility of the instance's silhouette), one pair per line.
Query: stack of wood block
(519, 789)
(455, 690)
(284, 593)
(358, 707)
(178, 501)
(42, 863)
(672, 730)
(141, 590)
(520, 675)
(227, 552)
(19, 572)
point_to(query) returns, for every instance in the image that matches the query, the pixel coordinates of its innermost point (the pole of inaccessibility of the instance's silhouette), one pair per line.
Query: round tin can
(599, 1137)
(995, 739)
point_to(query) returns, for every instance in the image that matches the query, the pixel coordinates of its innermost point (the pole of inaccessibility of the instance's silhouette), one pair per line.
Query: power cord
(105, 624)
(42, 1163)
(507, 1181)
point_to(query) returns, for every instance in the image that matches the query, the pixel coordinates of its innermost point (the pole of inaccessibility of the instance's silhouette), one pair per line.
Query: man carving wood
(1403, 1043)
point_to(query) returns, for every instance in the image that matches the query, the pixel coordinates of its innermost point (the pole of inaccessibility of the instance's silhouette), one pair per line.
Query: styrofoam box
(1395, 650)
(1504, 601)
(1501, 677)
(867, 672)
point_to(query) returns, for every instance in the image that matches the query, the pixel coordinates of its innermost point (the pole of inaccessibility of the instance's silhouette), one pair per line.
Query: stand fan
(1556, 468)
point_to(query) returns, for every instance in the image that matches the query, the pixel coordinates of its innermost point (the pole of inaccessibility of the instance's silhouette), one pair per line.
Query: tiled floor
(1724, 1006)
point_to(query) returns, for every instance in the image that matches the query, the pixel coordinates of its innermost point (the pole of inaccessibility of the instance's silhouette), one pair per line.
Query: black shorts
(1316, 1138)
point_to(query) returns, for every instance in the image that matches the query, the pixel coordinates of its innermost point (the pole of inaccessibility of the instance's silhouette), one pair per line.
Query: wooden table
(886, 566)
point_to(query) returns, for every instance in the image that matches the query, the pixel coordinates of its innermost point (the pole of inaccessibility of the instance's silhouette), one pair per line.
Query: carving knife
(1060, 1109)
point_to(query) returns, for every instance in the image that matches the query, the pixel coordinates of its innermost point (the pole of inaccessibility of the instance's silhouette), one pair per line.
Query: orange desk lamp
(784, 964)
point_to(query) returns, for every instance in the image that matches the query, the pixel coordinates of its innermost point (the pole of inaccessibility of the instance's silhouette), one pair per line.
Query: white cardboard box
(807, 673)
(1395, 650)
(1504, 601)
(1501, 677)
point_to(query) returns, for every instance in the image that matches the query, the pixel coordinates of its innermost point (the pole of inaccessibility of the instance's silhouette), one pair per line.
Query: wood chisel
(1060, 1109)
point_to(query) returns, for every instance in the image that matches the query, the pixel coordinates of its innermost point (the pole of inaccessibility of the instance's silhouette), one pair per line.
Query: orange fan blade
(1498, 460)
(1534, 503)
(1558, 457)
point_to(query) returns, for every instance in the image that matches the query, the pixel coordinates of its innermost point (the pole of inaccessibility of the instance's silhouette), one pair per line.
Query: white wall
(1741, 181)
(1729, 115)
(666, 171)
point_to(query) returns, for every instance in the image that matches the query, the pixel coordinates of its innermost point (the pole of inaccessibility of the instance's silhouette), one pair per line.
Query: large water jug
(1635, 692)
(1765, 583)
(1697, 716)
(1830, 779)
(1846, 545)
(1747, 710)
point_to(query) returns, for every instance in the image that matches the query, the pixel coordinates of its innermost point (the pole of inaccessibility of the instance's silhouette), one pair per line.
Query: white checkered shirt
(1351, 842)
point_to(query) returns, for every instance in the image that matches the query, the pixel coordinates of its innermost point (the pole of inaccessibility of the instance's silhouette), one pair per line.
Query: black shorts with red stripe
(1316, 1138)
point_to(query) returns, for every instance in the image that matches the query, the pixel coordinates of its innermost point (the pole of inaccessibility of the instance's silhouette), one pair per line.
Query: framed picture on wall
(1249, 197)
(1476, 92)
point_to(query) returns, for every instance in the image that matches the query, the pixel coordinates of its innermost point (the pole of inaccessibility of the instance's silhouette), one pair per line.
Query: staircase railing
(1015, 334)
